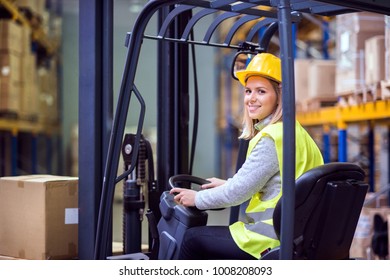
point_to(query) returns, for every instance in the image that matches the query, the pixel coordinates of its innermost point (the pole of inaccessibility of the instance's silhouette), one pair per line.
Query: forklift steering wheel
(189, 179)
(186, 178)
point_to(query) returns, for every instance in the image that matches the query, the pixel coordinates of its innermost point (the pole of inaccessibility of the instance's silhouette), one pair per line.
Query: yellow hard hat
(263, 64)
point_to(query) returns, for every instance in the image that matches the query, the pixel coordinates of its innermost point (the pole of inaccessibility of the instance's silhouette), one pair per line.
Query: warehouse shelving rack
(34, 129)
(14, 125)
(284, 13)
(342, 116)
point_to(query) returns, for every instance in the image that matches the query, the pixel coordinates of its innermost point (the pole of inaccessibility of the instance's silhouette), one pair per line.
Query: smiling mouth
(253, 108)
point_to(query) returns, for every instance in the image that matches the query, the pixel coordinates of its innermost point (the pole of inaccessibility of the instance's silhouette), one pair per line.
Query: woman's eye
(247, 91)
(261, 91)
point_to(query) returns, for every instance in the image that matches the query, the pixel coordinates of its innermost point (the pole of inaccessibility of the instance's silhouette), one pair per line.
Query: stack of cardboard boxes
(28, 87)
(48, 92)
(352, 32)
(28, 103)
(374, 64)
(18, 78)
(359, 67)
(11, 49)
(314, 83)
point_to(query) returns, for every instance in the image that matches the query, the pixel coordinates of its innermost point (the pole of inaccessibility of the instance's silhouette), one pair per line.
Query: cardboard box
(26, 40)
(375, 60)
(14, 38)
(9, 96)
(361, 22)
(322, 78)
(48, 93)
(39, 217)
(314, 81)
(11, 35)
(301, 79)
(29, 87)
(10, 64)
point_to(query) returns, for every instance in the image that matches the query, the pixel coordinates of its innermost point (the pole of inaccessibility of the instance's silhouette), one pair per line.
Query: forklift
(177, 21)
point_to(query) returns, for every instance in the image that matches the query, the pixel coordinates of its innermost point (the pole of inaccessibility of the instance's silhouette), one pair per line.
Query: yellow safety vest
(255, 238)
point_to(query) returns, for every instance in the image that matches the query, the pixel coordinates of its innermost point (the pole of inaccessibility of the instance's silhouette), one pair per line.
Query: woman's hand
(185, 197)
(214, 182)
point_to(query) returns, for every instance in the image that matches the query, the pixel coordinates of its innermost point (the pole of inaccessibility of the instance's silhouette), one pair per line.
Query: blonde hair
(249, 130)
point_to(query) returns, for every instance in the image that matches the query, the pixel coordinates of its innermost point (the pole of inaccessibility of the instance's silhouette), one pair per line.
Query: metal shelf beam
(15, 126)
(340, 116)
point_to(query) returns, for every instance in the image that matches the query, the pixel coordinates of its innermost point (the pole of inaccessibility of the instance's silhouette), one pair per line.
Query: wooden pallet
(385, 89)
(316, 103)
(33, 118)
(7, 114)
(12, 115)
(369, 94)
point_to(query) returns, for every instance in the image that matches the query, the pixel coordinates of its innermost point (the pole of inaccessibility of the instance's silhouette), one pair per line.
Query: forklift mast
(176, 22)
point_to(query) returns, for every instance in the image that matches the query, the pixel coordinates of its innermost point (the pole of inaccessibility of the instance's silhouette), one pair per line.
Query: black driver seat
(328, 202)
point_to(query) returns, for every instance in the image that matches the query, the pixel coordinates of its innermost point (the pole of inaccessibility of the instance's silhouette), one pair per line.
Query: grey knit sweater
(259, 173)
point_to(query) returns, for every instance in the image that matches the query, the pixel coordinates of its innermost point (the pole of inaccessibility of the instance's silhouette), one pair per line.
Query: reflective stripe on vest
(262, 227)
(258, 234)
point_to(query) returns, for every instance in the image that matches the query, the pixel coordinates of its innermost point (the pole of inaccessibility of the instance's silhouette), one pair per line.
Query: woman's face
(260, 98)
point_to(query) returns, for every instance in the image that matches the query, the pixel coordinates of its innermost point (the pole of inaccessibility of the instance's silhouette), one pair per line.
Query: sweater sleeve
(260, 166)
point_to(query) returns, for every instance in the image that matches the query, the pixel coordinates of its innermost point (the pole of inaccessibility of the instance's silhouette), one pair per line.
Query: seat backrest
(328, 202)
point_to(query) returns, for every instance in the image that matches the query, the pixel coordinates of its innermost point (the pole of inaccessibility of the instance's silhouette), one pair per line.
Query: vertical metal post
(388, 163)
(107, 78)
(288, 169)
(371, 156)
(89, 123)
(294, 36)
(325, 39)
(342, 149)
(3, 156)
(34, 146)
(49, 153)
(95, 111)
(173, 100)
(107, 87)
(228, 134)
(14, 153)
(342, 145)
(58, 145)
(132, 220)
(165, 99)
(326, 144)
(182, 98)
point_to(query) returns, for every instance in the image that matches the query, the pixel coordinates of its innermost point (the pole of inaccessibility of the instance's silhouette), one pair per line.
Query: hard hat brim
(243, 75)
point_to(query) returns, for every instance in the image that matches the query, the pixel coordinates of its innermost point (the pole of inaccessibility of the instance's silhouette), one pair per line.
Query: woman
(258, 182)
